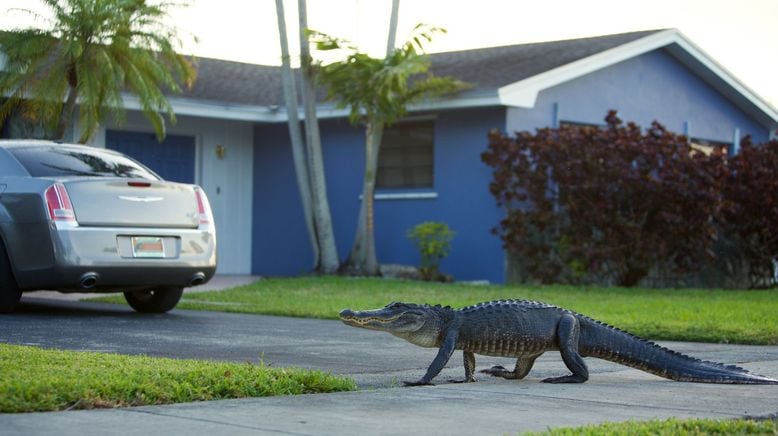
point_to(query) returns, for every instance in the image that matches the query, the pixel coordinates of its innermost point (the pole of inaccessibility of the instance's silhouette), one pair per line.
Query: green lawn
(670, 427)
(35, 379)
(746, 317)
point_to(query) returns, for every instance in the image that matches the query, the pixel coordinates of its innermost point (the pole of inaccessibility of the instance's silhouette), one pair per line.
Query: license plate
(148, 246)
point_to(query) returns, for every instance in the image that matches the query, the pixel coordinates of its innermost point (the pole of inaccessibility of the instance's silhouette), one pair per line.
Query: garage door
(173, 158)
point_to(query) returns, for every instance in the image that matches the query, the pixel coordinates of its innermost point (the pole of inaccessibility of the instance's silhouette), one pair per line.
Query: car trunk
(133, 203)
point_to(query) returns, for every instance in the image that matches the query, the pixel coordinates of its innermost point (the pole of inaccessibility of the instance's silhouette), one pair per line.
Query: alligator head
(418, 324)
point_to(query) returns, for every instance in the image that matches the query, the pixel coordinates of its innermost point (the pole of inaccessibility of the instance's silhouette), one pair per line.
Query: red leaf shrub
(588, 204)
(750, 213)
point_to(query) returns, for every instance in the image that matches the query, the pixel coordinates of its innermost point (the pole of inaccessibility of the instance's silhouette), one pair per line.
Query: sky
(740, 35)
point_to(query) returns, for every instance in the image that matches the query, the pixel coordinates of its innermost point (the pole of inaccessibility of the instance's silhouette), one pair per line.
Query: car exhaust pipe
(88, 280)
(197, 279)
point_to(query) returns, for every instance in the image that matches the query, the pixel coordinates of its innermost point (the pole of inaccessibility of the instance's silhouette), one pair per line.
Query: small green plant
(433, 239)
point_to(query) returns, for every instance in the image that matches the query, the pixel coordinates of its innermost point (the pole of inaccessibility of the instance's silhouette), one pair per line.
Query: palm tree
(321, 207)
(307, 154)
(377, 93)
(92, 52)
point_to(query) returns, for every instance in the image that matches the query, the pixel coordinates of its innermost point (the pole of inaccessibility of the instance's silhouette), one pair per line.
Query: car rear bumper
(101, 259)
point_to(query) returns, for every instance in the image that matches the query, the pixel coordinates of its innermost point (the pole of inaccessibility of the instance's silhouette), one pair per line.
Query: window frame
(406, 191)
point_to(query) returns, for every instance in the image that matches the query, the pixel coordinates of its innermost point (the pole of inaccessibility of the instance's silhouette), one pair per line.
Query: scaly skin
(527, 329)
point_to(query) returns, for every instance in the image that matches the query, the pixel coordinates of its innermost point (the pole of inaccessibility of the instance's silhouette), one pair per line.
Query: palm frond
(100, 49)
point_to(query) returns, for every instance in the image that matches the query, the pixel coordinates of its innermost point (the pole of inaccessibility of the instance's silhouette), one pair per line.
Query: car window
(69, 161)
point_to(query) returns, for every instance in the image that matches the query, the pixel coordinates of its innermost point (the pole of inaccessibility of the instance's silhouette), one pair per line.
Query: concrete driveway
(377, 361)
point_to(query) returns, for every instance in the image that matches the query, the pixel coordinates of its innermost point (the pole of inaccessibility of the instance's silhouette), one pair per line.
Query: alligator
(525, 330)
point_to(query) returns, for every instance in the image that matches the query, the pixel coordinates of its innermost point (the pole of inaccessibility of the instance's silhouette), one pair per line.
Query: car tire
(10, 294)
(154, 300)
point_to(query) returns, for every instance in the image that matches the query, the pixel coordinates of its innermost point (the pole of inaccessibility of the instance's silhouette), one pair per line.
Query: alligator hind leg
(523, 365)
(568, 331)
(469, 360)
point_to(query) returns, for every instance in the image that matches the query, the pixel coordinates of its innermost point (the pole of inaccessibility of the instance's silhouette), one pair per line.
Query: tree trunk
(362, 260)
(321, 208)
(390, 40)
(66, 116)
(295, 134)
(633, 274)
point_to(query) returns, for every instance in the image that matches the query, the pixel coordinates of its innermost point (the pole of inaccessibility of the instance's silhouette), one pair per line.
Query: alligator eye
(394, 305)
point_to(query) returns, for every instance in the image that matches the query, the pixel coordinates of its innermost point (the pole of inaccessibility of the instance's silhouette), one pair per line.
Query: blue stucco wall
(280, 243)
(653, 86)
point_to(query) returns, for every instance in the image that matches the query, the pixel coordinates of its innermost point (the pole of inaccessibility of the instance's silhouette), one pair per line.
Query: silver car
(83, 219)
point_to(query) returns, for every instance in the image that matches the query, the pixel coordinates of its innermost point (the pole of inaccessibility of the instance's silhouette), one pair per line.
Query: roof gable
(524, 91)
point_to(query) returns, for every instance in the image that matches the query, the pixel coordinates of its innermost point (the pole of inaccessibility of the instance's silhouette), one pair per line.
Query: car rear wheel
(10, 294)
(154, 300)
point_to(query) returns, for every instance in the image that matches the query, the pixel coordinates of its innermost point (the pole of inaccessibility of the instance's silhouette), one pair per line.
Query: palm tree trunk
(295, 134)
(390, 40)
(321, 208)
(66, 116)
(363, 260)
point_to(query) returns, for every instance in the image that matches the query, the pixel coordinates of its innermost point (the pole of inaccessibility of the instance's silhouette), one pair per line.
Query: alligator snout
(346, 313)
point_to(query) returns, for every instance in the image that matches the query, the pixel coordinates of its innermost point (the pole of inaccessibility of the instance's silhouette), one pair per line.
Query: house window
(406, 156)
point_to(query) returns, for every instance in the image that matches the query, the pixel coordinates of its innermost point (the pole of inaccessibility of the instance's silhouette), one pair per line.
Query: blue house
(232, 138)
(430, 165)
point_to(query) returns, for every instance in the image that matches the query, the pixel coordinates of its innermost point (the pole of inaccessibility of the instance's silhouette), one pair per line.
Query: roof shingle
(485, 69)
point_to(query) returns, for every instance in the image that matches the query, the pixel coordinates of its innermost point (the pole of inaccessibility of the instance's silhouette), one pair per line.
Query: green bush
(433, 239)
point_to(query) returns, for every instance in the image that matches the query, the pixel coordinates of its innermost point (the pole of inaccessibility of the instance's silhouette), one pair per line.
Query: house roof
(508, 76)
(492, 68)
(236, 83)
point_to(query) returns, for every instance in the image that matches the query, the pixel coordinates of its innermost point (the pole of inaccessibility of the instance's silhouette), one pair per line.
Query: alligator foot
(499, 371)
(566, 379)
(418, 383)
(462, 380)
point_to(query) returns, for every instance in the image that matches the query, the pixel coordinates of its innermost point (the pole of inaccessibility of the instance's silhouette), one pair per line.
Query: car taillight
(203, 207)
(58, 203)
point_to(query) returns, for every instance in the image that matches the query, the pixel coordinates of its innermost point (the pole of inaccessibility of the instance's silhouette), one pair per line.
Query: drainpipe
(736, 141)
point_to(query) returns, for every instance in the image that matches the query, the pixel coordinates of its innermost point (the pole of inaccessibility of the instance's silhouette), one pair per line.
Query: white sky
(741, 35)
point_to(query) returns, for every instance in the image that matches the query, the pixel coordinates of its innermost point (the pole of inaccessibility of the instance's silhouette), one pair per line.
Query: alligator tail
(605, 342)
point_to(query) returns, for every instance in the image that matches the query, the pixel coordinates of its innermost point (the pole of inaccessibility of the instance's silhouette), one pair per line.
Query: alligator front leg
(444, 354)
(568, 332)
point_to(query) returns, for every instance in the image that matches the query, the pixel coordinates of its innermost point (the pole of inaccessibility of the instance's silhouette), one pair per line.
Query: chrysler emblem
(140, 199)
